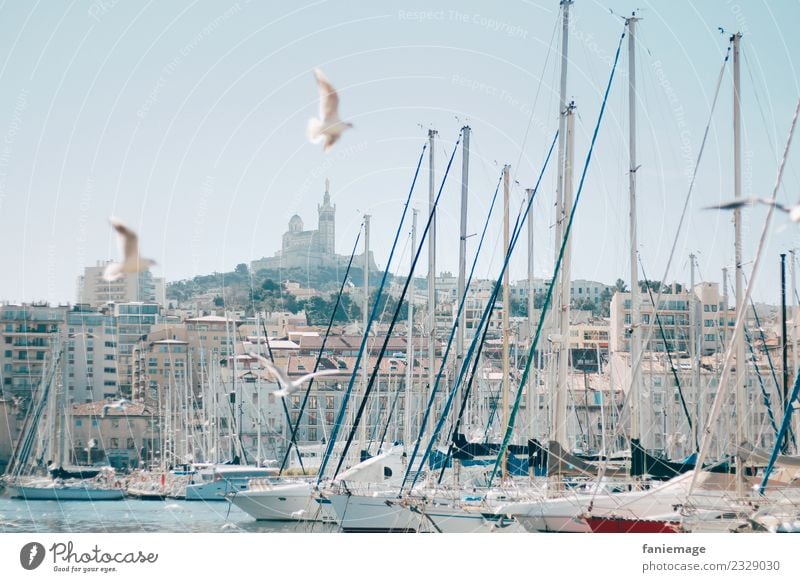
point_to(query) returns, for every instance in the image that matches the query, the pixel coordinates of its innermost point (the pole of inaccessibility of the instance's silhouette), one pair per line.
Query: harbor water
(137, 516)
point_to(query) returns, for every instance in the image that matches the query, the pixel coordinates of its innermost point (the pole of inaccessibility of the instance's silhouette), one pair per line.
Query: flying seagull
(289, 386)
(131, 261)
(792, 211)
(120, 404)
(328, 128)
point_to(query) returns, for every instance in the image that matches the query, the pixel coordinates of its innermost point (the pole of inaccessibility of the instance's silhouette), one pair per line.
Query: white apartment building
(95, 291)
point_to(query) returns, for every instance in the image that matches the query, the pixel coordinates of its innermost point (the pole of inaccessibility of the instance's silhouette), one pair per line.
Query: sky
(187, 121)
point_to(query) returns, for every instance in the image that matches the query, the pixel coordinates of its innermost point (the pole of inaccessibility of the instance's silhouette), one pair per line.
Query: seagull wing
(277, 372)
(768, 202)
(128, 240)
(731, 205)
(328, 98)
(734, 204)
(112, 272)
(308, 377)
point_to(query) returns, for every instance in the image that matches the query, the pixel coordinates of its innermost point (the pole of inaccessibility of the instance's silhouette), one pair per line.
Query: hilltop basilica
(310, 248)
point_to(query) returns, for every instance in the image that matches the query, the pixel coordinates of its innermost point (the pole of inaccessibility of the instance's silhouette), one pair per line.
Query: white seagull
(120, 404)
(792, 211)
(328, 128)
(289, 386)
(131, 261)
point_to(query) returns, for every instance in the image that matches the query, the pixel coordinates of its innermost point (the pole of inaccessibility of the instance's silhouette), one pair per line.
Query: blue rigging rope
(345, 400)
(787, 417)
(453, 330)
(319, 357)
(488, 310)
(515, 409)
(377, 364)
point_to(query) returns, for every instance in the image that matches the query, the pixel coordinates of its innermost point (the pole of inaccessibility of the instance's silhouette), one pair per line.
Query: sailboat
(24, 479)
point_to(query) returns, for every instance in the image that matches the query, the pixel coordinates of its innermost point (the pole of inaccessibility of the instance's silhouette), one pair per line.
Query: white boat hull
(468, 520)
(376, 513)
(286, 502)
(69, 493)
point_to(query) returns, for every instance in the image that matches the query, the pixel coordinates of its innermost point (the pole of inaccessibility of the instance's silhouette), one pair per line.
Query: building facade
(130, 287)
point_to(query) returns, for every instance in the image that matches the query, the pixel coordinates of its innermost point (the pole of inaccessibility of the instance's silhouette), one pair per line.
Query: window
(312, 402)
(78, 422)
(709, 337)
(312, 434)
(115, 423)
(295, 402)
(329, 402)
(312, 418)
(706, 308)
(329, 418)
(114, 443)
(708, 323)
(129, 443)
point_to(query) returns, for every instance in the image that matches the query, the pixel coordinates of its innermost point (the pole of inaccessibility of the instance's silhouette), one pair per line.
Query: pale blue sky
(187, 120)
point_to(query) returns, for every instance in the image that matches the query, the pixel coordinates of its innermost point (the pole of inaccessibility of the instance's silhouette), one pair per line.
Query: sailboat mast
(558, 419)
(431, 264)
(636, 334)
(533, 383)
(794, 324)
(362, 433)
(462, 247)
(506, 307)
(410, 410)
(560, 408)
(693, 352)
(562, 109)
(741, 409)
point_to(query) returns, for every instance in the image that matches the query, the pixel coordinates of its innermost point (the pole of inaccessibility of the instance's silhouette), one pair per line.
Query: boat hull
(374, 514)
(293, 502)
(66, 493)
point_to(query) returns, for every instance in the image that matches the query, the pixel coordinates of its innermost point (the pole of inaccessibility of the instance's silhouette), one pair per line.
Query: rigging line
(548, 297)
(453, 330)
(785, 426)
(764, 394)
(650, 327)
(319, 355)
(346, 398)
(669, 353)
(468, 388)
(763, 117)
(372, 377)
(536, 98)
(520, 220)
(740, 317)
